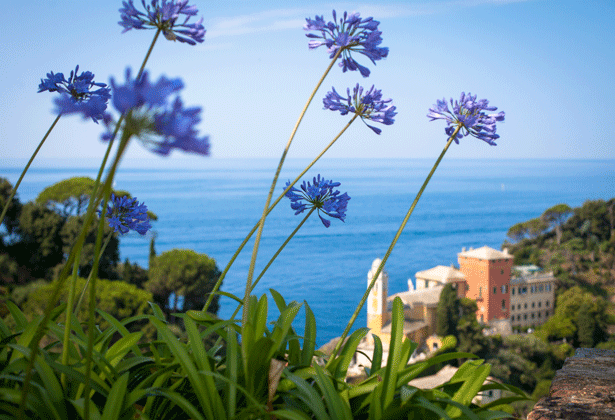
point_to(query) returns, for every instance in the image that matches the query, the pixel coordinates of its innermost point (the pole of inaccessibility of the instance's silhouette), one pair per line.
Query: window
(539, 314)
(513, 291)
(481, 318)
(502, 272)
(525, 305)
(532, 289)
(512, 307)
(524, 316)
(540, 288)
(533, 304)
(547, 304)
(435, 346)
(503, 304)
(532, 315)
(495, 290)
(504, 289)
(518, 306)
(480, 291)
(518, 317)
(548, 287)
(539, 304)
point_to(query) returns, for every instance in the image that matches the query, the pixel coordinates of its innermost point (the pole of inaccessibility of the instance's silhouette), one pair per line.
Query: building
(507, 297)
(487, 276)
(532, 295)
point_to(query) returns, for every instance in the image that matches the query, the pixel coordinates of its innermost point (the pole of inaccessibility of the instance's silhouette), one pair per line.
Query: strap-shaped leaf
(337, 406)
(115, 400)
(202, 386)
(309, 396)
(389, 380)
(309, 336)
(473, 375)
(348, 351)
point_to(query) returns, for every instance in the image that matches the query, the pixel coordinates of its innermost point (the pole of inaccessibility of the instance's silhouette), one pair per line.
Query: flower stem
(106, 192)
(275, 256)
(23, 173)
(388, 253)
(273, 184)
(245, 241)
(102, 250)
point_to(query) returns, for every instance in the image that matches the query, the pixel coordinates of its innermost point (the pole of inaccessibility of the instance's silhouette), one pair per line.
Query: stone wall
(584, 388)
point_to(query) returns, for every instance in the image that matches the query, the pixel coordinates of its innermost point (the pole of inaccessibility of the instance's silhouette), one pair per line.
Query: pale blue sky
(548, 64)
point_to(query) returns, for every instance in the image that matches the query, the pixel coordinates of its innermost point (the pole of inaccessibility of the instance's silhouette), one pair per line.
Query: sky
(547, 64)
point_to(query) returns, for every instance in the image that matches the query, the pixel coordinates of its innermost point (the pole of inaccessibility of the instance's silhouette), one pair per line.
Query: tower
(377, 300)
(487, 274)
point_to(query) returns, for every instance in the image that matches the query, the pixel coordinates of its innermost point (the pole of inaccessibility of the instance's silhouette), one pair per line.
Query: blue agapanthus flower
(321, 196)
(351, 34)
(469, 114)
(160, 123)
(125, 214)
(79, 94)
(368, 105)
(163, 15)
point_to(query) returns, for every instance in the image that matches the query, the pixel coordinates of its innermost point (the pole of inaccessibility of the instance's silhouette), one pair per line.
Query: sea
(210, 208)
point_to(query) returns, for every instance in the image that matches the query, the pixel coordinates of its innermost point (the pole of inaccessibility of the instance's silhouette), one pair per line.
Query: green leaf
(473, 375)
(389, 380)
(309, 337)
(281, 328)
(202, 389)
(260, 321)
(348, 350)
(377, 357)
(180, 401)
(309, 396)
(338, 407)
(20, 319)
(115, 399)
(279, 300)
(122, 346)
(232, 365)
(120, 327)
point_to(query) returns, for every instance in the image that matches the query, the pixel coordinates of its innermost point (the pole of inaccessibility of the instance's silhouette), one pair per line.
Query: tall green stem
(275, 256)
(102, 250)
(23, 173)
(273, 184)
(388, 253)
(245, 241)
(106, 192)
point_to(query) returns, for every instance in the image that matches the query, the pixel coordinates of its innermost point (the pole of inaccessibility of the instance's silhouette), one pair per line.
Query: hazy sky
(548, 64)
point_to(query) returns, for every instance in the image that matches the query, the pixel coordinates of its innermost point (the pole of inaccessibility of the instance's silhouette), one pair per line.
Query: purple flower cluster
(125, 214)
(351, 34)
(319, 195)
(469, 114)
(163, 15)
(77, 94)
(368, 105)
(161, 124)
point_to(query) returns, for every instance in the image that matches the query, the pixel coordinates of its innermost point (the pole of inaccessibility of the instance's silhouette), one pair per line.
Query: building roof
(441, 273)
(429, 296)
(429, 382)
(409, 326)
(534, 278)
(485, 253)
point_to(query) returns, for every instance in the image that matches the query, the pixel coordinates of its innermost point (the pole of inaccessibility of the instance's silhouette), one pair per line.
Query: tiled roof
(485, 253)
(429, 296)
(441, 273)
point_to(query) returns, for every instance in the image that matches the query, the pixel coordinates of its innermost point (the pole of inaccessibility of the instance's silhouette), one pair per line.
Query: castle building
(507, 297)
(487, 276)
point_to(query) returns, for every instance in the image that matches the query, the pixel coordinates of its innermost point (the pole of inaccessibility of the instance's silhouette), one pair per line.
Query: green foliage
(40, 244)
(556, 216)
(110, 257)
(577, 309)
(11, 219)
(184, 273)
(132, 273)
(117, 298)
(70, 196)
(447, 312)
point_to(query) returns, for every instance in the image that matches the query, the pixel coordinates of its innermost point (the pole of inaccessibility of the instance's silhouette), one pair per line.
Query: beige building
(532, 295)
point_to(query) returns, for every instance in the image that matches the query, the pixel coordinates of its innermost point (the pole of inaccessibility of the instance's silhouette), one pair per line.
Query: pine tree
(447, 312)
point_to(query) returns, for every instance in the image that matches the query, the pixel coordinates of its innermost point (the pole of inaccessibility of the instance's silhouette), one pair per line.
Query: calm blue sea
(468, 203)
